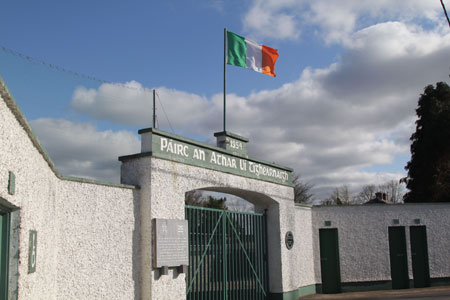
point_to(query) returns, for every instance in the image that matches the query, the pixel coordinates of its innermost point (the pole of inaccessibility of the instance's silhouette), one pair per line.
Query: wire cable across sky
(81, 75)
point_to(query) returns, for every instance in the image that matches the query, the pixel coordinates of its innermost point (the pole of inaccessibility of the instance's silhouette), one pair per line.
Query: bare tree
(367, 194)
(393, 189)
(302, 190)
(340, 196)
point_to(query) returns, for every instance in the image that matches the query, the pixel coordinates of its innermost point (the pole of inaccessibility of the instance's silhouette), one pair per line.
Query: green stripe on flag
(237, 50)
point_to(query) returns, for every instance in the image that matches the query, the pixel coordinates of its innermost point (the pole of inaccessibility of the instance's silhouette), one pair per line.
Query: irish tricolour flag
(245, 53)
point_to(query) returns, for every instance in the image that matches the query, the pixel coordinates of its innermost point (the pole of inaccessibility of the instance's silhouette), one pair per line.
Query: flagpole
(224, 77)
(154, 109)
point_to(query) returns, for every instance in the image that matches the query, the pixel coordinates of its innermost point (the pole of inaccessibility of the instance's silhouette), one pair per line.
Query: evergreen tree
(218, 203)
(428, 178)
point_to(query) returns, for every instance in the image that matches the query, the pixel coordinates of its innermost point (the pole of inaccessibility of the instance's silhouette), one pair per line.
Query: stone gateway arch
(169, 166)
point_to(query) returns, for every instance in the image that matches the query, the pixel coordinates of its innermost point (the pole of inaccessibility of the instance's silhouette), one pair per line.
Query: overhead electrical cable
(159, 100)
(74, 73)
(81, 75)
(445, 12)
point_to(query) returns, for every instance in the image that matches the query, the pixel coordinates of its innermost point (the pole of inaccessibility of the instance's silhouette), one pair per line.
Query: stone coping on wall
(20, 117)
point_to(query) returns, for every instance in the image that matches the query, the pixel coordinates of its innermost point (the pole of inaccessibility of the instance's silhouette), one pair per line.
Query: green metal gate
(227, 255)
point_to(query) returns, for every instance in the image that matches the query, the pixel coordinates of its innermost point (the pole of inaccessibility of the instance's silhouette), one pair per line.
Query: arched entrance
(227, 251)
(167, 168)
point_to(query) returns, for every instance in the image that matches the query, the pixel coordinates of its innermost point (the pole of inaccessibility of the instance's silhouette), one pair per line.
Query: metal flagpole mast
(445, 12)
(224, 77)
(154, 110)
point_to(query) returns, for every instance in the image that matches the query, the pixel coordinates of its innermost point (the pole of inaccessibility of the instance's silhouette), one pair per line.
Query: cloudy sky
(340, 111)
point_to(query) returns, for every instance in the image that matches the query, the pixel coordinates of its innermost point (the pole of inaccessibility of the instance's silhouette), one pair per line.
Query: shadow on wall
(136, 245)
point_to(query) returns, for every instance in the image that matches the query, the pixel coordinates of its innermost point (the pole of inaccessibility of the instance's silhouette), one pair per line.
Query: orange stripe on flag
(269, 57)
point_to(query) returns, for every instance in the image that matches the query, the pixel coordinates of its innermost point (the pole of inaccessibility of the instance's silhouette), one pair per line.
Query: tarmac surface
(433, 293)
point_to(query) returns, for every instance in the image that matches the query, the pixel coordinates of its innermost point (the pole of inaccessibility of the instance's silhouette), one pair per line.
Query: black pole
(154, 109)
(224, 77)
(445, 12)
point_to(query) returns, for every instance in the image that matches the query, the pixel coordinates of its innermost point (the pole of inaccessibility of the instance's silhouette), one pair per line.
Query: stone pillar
(158, 199)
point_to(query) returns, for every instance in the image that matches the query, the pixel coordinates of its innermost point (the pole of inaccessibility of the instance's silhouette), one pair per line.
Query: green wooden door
(419, 254)
(329, 261)
(398, 258)
(4, 239)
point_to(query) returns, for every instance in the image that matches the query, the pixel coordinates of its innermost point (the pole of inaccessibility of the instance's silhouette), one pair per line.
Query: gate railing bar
(224, 264)
(221, 210)
(241, 284)
(197, 286)
(260, 249)
(208, 278)
(204, 254)
(246, 256)
(196, 245)
(251, 252)
(247, 269)
(216, 267)
(265, 254)
(245, 241)
(254, 289)
(231, 269)
(204, 250)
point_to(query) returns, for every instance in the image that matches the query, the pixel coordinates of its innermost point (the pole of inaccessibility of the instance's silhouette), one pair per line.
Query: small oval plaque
(289, 240)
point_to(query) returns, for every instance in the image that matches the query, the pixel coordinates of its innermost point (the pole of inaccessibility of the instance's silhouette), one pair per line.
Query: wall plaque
(289, 240)
(170, 243)
(32, 247)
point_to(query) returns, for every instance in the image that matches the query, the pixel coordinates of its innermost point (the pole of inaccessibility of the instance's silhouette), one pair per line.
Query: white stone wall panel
(364, 243)
(35, 196)
(85, 232)
(303, 248)
(97, 251)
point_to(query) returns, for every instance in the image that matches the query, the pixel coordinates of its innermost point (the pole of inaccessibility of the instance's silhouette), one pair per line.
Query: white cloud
(81, 150)
(329, 125)
(335, 20)
(269, 18)
(131, 104)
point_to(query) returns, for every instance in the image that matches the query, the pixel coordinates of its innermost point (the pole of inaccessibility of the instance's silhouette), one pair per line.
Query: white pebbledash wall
(94, 239)
(364, 243)
(86, 234)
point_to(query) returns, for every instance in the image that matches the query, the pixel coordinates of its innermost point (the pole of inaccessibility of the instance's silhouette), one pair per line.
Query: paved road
(434, 293)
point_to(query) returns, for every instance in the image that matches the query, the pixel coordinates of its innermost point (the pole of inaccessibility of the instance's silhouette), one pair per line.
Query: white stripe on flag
(254, 56)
